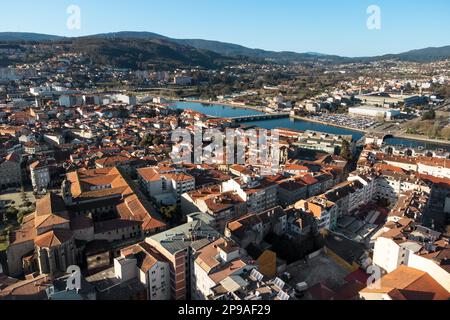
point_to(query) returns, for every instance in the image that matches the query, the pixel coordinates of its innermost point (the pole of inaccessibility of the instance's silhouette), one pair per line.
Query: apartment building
(40, 175)
(406, 283)
(325, 212)
(165, 185)
(254, 227)
(178, 246)
(145, 263)
(222, 207)
(212, 264)
(259, 193)
(404, 243)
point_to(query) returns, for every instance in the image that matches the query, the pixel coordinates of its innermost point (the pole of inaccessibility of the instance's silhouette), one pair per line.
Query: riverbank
(422, 139)
(396, 135)
(228, 110)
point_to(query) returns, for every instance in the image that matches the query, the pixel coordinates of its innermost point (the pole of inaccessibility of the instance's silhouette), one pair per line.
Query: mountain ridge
(234, 50)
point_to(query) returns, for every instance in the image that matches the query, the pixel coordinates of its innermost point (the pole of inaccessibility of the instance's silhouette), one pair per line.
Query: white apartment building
(182, 80)
(260, 194)
(40, 175)
(325, 212)
(166, 185)
(145, 263)
(389, 254)
(214, 263)
(436, 167)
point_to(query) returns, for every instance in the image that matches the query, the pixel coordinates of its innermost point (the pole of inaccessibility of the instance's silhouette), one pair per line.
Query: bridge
(261, 117)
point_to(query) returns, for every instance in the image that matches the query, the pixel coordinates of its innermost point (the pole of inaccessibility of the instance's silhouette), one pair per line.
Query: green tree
(429, 115)
(11, 213)
(146, 141)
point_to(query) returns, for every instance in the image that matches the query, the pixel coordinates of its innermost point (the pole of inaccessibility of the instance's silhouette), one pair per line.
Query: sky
(325, 26)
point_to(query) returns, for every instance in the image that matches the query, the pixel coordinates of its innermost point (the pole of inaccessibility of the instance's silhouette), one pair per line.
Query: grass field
(3, 243)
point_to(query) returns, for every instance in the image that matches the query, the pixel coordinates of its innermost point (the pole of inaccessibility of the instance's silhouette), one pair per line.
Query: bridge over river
(260, 117)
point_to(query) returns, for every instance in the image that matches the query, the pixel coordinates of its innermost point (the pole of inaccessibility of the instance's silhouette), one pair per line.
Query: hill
(27, 36)
(148, 47)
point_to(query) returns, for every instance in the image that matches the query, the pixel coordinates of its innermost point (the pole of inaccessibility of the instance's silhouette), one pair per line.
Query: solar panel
(257, 275)
(279, 283)
(283, 296)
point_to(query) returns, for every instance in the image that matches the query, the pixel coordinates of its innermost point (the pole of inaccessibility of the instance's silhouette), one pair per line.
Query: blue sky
(326, 26)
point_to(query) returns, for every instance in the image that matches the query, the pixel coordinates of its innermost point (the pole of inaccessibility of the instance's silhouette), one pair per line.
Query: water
(415, 144)
(217, 110)
(222, 111)
(305, 125)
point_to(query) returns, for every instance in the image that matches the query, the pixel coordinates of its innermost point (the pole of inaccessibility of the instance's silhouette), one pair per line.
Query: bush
(11, 213)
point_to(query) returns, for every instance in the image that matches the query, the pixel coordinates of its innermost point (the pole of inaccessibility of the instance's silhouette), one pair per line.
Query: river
(217, 110)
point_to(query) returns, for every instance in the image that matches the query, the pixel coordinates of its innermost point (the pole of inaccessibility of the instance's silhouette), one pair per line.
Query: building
(165, 185)
(375, 112)
(10, 171)
(45, 241)
(182, 80)
(70, 100)
(213, 263)
(222, 207)
(405, 243)
(32, 288)
(125, 98)
(324, 142)
(145, 263)
(326, 212)
(40, 175)
(259, 193)
(101, 192)
(406, 283)
(252, 285)
(178, 246)
(254, 227)
(385, 99)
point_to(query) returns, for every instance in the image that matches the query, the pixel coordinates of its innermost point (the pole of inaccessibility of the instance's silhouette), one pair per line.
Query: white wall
(201, 288)
(159, 281)
(125, 269)
(429, 266)
(386, 254)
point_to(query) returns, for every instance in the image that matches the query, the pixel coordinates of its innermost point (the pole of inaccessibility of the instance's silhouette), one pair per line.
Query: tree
(11, 213)
(429, 115)
(146, 141)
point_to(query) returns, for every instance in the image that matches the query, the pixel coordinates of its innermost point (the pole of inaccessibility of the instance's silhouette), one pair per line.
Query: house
(406, 283)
